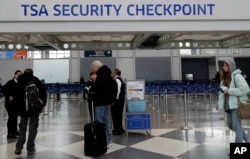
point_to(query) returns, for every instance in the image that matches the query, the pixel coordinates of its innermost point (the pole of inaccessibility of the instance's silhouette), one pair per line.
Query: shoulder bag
(243, 108)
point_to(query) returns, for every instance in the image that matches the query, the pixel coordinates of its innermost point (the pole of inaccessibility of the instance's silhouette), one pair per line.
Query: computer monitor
(189, 76)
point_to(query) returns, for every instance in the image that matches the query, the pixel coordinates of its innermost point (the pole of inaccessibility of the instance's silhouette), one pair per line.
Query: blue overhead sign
(131, 10)
(101, 10)
(98, 53)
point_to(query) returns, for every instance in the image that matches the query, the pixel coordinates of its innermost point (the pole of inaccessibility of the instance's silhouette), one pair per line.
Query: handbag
(243, 110)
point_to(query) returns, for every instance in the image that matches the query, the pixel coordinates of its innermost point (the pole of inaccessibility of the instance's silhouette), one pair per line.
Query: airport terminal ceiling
(123, 40)
(123, 25)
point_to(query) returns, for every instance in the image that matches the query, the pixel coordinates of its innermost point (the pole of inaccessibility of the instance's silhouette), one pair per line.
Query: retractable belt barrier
(161, 90)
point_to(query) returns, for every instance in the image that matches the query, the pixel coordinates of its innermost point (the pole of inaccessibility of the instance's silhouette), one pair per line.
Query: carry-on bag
(95, 143)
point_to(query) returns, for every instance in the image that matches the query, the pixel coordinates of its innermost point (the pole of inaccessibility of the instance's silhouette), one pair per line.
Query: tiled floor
(61, 133)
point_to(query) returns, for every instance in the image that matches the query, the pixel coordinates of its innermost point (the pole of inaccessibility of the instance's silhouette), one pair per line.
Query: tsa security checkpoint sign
(123, 10)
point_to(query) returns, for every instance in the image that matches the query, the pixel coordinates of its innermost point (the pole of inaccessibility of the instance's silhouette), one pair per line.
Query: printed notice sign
(135, 90)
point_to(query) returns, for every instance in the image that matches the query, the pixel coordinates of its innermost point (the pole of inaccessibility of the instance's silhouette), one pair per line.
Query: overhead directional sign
(122, 10)
(98, 53)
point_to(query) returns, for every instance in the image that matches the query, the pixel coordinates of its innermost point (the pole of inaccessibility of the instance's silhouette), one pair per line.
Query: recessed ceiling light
(10, 46)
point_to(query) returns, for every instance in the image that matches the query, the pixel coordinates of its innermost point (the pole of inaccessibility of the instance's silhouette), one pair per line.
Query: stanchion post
(210, 101)
(153, 102)
(164, 103)
(158, 98)
(185, 127)
(166, 110)
(158, 103)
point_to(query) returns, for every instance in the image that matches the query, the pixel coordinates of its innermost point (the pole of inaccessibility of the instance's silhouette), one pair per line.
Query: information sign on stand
(137, 119)
(135, 90)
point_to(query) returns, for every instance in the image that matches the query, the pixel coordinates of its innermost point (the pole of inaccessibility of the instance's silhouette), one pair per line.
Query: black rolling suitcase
(95, 143)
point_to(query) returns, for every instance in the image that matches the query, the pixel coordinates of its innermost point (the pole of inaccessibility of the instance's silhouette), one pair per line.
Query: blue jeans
(102, 115)
(234, 123)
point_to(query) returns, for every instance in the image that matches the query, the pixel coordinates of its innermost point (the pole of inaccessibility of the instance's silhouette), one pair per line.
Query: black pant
(33, 125)
(117, 115)
(12, 120)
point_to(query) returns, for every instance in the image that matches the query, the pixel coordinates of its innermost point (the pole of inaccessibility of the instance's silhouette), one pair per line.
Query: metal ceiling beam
(51, 41)
(75, 46)
(167, 38)
(10, 46)
(126, 45)
(242, 40)
(167, 41)
(179, 44)
(139, 39)
(18, 42)
(9, 37)
(192, 44)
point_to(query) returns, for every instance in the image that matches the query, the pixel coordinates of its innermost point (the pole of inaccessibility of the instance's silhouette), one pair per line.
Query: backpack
(31, 97)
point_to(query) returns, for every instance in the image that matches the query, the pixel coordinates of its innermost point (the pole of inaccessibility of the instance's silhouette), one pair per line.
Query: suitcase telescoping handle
(93, 114)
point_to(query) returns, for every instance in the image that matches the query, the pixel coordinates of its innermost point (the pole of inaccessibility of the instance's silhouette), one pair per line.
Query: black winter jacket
(101, 88)
(10, 89)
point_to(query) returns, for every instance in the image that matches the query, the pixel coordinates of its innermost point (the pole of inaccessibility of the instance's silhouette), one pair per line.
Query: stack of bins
(137, 117)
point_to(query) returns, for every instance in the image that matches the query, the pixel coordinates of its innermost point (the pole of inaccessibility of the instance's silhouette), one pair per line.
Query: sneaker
(31, 151)
(109, 145)
(18, 151)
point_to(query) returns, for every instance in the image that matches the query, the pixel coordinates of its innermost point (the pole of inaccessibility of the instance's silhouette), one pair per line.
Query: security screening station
(168, 52)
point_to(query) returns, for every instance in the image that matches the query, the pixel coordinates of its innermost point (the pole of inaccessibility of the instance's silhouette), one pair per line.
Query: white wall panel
(52, 71)
(74, 73)
(8, 68)
(126, 65)
(152, 53)
(176, 68)
(124, 53)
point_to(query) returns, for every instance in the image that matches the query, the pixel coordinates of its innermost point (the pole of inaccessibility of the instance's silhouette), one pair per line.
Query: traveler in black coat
(11, 105)
(102, 95)
(27, 117)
